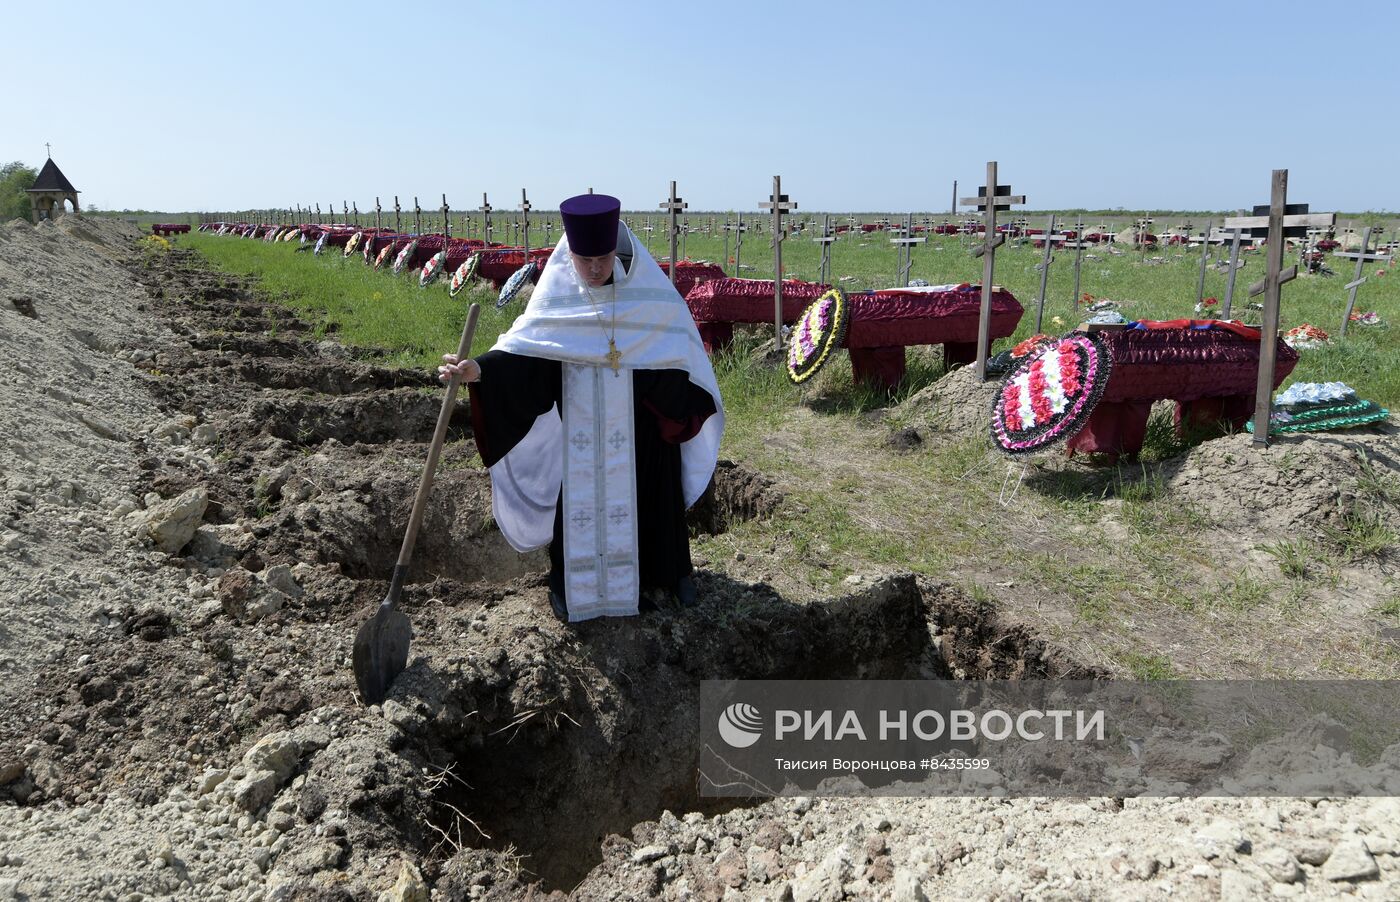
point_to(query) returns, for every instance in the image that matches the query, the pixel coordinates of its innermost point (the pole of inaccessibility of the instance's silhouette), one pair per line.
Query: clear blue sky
(869, 105)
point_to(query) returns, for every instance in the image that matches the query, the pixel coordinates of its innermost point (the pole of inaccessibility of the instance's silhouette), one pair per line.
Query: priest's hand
(467, 369)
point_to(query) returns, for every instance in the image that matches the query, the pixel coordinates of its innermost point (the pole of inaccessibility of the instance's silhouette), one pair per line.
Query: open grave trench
(510, 735)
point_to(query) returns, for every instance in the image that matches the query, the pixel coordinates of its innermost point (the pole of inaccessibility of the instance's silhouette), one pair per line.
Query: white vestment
(590, 451)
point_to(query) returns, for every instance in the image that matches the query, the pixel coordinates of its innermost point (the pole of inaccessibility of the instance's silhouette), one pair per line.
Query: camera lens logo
(740, 725)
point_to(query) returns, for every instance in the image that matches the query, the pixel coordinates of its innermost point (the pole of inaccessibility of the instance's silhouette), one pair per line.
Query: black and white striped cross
(990, 197)
(779, 204)
(673, 205)
(1282, 219)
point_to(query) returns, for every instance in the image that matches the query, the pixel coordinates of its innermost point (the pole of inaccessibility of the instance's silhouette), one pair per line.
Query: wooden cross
(377, 211)
(446, 226)
(953, 210)
(48, 148)
(825, 239)
(1205, 259)
(486, 218)
(318, 214)
(674, 205)
(355, 209)
(398, 229)
(1235, 236)
(685, 233)
(525, 222)
(905, 244)
(738, 228)
(1141, 229)
(417, 217)
(1357, 278)
(344, 212)
(1078, 256)
(989, 197)
(1050, 236)
(1282, 216)
(779, 204)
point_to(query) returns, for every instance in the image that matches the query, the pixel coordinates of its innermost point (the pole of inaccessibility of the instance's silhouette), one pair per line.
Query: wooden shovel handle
(425, 484)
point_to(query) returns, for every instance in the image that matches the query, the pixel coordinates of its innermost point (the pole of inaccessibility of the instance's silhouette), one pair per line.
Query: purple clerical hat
(590, 221)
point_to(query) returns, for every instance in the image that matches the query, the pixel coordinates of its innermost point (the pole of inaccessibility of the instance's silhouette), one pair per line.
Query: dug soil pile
(1301, 485)
(201, 502)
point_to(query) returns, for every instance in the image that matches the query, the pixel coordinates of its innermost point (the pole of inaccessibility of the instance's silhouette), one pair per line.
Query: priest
(599, 418)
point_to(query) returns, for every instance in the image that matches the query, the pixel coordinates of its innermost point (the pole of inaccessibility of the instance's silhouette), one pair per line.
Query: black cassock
(668, 409)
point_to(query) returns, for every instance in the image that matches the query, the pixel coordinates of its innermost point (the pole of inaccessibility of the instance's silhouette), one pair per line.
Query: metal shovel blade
(381, 651)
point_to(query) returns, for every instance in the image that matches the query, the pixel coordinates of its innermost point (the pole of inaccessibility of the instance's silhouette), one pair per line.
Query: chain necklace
(614, 356)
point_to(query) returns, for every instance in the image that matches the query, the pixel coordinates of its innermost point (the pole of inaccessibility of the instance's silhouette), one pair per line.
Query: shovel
(381, 645)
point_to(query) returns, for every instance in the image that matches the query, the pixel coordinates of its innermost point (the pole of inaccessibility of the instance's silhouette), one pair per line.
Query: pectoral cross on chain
(614, 357)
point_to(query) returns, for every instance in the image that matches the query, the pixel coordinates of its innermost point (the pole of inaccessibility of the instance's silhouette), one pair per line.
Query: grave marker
(446, 227)
(905, 243)
(1143, 227)
(738, 228)
(989, 197)
(1078, 248)
(1282, 219)
(525, 223)
(778, 202)
(1205, 259)
(486, 218)
(825, 239)
(673, 205)
(1235, 236)
(398, 229)
(1357, 279)
(318, 214)
(1051, 236)
(377, 212)
(417, 217)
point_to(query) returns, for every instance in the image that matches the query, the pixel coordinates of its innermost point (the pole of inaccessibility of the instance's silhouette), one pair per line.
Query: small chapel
(50, 190)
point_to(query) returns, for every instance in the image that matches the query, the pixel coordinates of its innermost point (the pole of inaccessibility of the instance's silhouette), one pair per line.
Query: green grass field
(375, 308)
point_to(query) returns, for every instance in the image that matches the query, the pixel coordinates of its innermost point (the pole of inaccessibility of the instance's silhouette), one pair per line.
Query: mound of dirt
(959, 404)
(1294, 486)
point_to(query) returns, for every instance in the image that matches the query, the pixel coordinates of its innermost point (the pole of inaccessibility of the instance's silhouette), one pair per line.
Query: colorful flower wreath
(1050, 393)
(464, 274)
(1306, 337)
(431, 269)
(321, 243)
(1030, 344)
(402, 259)
(820, 328)
(353, 243)
(1369, 318)
(383, 255)
(514, 284)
